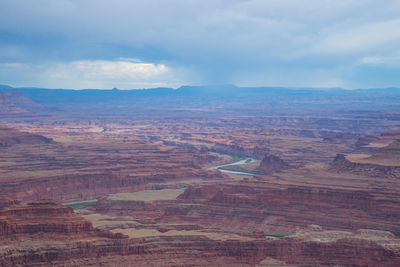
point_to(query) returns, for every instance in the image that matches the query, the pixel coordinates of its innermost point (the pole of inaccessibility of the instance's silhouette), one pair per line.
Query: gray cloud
(274, 42)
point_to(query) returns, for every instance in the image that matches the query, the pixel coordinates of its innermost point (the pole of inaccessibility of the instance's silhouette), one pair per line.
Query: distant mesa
(271, 164)
(380, 157)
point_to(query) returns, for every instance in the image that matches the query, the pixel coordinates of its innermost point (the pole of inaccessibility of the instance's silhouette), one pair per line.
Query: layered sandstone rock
(85, 186)
(342, 164)
(259, 207)
(234, 208)
(40, 168)
(10, 137)
(271, 164)
(41, 216)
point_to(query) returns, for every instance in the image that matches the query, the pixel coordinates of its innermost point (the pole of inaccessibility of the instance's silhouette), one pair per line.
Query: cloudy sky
(151, 43)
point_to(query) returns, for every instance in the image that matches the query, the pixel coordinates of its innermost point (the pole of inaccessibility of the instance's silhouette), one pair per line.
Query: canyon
(196, 177)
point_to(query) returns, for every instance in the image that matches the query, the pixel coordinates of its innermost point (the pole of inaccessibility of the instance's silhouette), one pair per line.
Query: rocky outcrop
(271, 164)
(41, 216)
(389, 154)
(203, 192)
(341, 164)
(10, 137)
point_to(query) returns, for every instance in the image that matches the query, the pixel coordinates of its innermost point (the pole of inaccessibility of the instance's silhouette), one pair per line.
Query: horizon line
(204, 85)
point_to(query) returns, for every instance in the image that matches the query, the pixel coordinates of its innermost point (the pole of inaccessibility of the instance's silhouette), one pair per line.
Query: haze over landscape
(199, 133)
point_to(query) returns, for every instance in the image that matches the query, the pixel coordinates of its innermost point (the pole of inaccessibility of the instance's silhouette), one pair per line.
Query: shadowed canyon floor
(199, 180)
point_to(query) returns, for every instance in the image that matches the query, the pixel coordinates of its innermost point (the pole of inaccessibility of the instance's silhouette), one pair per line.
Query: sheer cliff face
(41, 216)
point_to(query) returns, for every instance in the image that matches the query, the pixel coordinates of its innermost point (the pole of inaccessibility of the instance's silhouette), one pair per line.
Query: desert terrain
(200, 176)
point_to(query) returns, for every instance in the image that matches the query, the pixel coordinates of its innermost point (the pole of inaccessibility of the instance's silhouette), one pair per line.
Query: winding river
(240, 162)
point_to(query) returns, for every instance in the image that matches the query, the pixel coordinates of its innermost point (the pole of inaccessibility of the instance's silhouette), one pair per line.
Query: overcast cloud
(150, 43)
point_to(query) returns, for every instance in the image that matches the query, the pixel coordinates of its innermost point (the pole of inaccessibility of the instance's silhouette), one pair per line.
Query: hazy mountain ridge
(274, 99)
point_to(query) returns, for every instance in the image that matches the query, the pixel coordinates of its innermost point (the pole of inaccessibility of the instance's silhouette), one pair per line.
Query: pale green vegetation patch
(80, 204)
(277, 235)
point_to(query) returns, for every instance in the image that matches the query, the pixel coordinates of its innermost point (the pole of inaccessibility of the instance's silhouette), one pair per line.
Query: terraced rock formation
(46, 233)
(40, 168)
(138, 168)
(341, 164)
(41, 216)
(10, 137)
(271, 164)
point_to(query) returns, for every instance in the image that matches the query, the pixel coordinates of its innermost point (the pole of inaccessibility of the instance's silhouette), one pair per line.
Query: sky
(155, 43)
